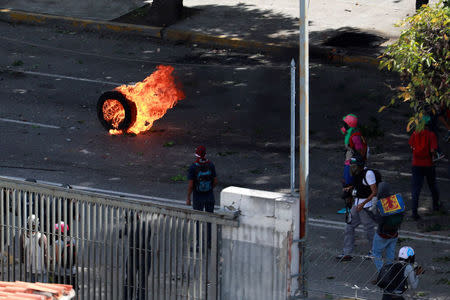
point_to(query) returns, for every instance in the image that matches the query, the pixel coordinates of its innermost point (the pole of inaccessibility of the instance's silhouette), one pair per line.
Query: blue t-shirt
(193, 176)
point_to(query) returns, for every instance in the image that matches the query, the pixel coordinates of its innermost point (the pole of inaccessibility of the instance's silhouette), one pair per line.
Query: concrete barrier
(256, 255)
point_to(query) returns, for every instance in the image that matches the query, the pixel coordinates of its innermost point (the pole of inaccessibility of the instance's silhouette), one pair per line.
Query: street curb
(15, 16)
(174, 35)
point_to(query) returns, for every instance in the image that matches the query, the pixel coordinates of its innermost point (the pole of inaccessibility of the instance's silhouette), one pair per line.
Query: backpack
(363, 142)
(392, 277)
(204, 179)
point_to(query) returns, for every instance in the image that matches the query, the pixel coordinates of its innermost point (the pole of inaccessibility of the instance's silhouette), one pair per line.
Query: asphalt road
(236, 104)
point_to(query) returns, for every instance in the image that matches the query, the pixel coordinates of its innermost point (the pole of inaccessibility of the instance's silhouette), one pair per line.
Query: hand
(188, 202)
(360, 207)
(346, 189)
(419, 270)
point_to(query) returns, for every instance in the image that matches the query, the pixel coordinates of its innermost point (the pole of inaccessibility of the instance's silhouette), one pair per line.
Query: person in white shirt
(364, 191)
(34, 251)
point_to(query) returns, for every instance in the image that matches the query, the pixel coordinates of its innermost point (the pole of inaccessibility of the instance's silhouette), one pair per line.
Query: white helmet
(405, 252)
(33, 221)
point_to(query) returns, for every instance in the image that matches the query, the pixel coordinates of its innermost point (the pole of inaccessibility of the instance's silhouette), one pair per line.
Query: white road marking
(58, 76)
(402, 233)
(29, 123)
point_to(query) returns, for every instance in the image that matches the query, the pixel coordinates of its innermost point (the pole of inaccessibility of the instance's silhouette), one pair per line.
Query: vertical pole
(292, 125)
(304, 138)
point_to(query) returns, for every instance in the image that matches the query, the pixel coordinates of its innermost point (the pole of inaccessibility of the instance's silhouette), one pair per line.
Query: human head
(356, 164)
(350, 121)
(384, 190)
(407, 254)
(200, 152)
(33, 222)
(61, 227)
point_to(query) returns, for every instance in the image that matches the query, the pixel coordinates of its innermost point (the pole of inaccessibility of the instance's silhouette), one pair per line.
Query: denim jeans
(378, 246)
(418, 174)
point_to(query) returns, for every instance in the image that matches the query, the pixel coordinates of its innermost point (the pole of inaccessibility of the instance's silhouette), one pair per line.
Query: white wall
(255, 256)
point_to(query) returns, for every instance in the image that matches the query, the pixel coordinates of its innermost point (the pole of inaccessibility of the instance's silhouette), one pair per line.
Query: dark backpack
(392, 277)
(204, 178)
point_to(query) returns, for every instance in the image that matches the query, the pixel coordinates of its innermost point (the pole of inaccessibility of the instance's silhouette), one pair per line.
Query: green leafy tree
(422, 57)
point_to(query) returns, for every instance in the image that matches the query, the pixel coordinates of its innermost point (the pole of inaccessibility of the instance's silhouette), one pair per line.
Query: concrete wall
(255, 256)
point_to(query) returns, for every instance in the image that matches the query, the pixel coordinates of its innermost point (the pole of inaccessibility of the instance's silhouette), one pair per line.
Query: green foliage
(422, 57)
(178, 178)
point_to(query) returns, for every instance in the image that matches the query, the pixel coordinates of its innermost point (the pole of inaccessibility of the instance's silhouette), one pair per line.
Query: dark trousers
(418, 174)
(204, 204)
(135, 266)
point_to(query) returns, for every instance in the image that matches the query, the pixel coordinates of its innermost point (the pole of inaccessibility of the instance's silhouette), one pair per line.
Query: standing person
(354, 142)
(202, 180)
(423, 145)
(66, 256)
(385, 239)
(139, 257)
(34, 251)
(364, 190)
(396, 278)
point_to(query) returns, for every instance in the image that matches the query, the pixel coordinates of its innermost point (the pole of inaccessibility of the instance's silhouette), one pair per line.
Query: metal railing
(110, 247)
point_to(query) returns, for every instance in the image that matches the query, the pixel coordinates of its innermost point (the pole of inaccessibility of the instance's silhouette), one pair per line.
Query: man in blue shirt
(202, 180)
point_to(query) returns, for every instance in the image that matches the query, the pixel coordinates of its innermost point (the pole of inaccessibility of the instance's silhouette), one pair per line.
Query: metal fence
(108, 247)
(332, 278)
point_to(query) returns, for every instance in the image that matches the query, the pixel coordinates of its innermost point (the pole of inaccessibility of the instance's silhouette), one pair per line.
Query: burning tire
(115, 111)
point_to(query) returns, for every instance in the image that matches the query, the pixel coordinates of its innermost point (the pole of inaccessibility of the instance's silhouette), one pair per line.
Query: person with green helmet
(423, 145)
(354, 142)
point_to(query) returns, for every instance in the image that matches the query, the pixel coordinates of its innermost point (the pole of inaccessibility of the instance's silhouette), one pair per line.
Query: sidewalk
(346, 30)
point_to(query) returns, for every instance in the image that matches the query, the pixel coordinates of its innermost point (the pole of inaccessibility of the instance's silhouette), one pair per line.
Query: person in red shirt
(423, 144)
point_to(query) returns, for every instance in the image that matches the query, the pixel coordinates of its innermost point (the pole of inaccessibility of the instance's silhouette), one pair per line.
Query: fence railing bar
(124, 202)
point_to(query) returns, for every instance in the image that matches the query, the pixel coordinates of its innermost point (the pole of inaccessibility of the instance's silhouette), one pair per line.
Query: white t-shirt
(370, 179)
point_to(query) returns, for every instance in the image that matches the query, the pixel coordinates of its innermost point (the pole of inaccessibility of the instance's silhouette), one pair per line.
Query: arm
(413, 279)
(190, 189)
(215, 182)
(373, 188)
(43, 241)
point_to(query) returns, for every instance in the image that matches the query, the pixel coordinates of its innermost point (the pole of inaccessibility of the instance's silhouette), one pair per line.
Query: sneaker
(343, 257)
(438, 156)
(369, 255)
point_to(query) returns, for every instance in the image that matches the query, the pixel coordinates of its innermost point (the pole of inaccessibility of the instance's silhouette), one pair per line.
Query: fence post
(292, 125)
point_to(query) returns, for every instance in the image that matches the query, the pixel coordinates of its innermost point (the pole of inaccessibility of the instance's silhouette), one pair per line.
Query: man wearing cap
(364, 190)
(202, 180)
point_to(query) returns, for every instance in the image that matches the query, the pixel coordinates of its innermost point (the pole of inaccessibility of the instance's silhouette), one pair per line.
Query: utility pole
(304, 141)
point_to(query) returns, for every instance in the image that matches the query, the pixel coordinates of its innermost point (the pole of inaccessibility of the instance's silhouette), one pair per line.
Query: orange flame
(153, 97)
(113, 112)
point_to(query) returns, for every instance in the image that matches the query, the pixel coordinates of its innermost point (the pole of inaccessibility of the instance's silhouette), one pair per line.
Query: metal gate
(108, 247)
